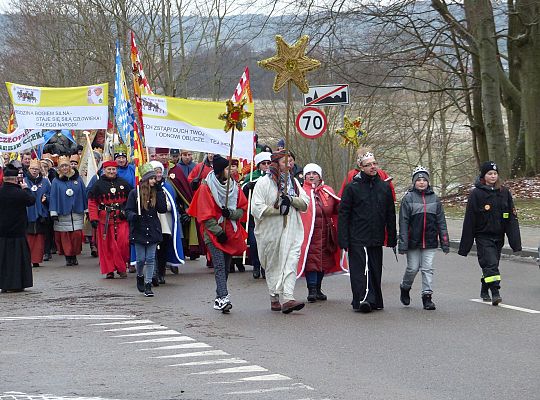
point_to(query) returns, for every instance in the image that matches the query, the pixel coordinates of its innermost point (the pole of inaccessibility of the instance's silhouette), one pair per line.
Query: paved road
(77, 335)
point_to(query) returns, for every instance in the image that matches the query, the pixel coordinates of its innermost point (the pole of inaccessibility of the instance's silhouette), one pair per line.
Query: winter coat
(127, 173)
(422, 224)
(62, 203)
(145, 228)
(38, 213)
(490, 213)
(367, 209)
(13, 203)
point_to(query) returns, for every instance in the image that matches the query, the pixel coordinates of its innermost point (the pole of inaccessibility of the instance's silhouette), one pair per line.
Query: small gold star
(290, 63)
(235, 115)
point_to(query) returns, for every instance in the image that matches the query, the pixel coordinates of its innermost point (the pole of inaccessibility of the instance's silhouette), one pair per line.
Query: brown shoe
(275, 306)
(122, 274)
(291, 305)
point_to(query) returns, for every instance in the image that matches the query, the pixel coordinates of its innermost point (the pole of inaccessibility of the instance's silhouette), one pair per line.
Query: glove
(185, 219)
(222, 237)
(285, 205)
(250, 185)
(225, 212)
(195, 184)
(54, 218)
(94, 224)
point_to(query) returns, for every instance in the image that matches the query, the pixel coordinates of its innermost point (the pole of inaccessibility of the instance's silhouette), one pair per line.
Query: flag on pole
(140, 83)
(123, 112)
(243, 91)
(11, 122)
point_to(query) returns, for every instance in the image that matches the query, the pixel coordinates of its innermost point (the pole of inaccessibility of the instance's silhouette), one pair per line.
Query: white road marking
(211, 362)
(232, 370)
(197, 354)
(23, 396)
(258, 391)
(527, 310)
(180, 346)
(163, 339)
(137, 328)
(66, 317)
(258, 378)
(154, 333)
(133, 321)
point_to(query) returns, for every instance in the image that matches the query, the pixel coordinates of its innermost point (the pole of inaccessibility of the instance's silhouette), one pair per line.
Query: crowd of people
(273, 214)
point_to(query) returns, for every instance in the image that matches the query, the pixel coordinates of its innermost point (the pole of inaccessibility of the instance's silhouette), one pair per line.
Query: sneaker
(223, 304)
(148, 290)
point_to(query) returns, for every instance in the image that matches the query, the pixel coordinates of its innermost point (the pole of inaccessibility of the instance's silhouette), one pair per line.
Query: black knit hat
(10, 171)
(219, 163)
(488, 166)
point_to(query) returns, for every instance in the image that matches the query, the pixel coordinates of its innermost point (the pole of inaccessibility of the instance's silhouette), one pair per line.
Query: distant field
(528, 211)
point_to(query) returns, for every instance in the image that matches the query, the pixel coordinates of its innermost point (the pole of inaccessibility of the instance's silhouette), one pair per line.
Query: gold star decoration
(235, 115)
(290, 63)
(351, 132)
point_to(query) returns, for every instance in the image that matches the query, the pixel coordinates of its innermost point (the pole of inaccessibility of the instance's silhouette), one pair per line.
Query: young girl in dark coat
(145, 228)
(490, 215)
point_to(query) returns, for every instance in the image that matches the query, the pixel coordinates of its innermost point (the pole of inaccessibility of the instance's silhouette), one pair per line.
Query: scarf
(279, 179)
(219, 191)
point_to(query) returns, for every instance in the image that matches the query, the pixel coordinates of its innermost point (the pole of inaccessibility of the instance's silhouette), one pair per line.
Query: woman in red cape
(319, 254)
(221, 226)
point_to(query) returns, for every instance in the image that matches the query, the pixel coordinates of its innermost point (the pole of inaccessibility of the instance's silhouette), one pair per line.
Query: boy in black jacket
(489, 216)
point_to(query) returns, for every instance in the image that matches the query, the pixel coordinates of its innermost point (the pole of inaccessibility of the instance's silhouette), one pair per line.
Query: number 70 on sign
(311, 122)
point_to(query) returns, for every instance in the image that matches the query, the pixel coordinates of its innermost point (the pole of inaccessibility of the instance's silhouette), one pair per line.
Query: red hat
(110, 163)
(162, 150)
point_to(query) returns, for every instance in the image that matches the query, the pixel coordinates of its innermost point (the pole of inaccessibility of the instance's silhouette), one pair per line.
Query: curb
(525, 252)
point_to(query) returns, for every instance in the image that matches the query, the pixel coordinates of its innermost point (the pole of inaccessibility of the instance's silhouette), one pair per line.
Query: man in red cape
(220, 213)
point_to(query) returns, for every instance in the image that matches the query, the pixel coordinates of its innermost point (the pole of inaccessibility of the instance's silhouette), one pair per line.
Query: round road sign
(311, 122)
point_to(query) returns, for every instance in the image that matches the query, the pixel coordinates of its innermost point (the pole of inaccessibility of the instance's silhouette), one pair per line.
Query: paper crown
(35, 164)
(120, 150)
(63, 160)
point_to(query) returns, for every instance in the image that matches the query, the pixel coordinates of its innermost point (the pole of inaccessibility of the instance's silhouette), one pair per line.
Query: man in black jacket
(366, 212)
(15, 261)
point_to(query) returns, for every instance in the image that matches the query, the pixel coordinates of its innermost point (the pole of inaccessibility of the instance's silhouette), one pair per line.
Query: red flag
(140, 83)
(243, 91)
(11, 122)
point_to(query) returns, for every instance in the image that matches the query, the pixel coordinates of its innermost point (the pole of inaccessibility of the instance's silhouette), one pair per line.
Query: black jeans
(360, 281)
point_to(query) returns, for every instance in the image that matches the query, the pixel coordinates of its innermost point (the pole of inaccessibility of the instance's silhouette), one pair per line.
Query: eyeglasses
(371, 164)
(266, 162)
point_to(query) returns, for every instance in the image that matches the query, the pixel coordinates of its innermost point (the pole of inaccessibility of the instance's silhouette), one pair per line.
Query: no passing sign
(311, 122)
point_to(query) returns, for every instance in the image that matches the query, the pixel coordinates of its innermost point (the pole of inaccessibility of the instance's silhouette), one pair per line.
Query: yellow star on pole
(290, 63)
(235, 115)
(351, 132)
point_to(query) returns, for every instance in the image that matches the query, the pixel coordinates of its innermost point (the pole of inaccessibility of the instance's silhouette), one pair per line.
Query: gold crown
(63, 160)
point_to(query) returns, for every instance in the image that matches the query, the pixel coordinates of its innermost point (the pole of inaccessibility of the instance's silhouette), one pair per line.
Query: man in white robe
(274, 202)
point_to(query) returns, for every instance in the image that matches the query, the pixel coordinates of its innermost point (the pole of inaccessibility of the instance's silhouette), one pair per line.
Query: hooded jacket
(490, 213)
(422, 224)
(367, 209)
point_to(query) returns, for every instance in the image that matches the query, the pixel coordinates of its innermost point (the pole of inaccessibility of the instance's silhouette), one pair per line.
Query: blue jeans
(419, 260)
(146, 260)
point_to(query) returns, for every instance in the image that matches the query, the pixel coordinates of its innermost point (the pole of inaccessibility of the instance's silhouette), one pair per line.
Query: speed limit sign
(311, 122)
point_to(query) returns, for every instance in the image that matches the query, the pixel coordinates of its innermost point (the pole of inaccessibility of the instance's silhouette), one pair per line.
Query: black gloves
(222, 237)
(225, 212)
(249, 185)
(195, 183)
(185, 219)
(285, 205)
(94, 224)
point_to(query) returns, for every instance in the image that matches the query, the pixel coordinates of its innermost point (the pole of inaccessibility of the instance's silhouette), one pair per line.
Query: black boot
(428, 304)
(405, 297)
(256, 272)
(74, 260)
(484, 291)
(140, 283)
(320, 295)
(495, 295)
(69, 262)
(312, 294)
(155, 281)
(148, 290)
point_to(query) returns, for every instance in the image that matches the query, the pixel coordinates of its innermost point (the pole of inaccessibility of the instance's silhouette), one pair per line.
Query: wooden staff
(248, 208)
(289, 101)
(229, 177)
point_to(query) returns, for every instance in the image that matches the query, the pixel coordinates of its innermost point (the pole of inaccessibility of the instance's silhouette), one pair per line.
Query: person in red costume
(106, 206)
(353, 172)
(320, 253)
(220, 214)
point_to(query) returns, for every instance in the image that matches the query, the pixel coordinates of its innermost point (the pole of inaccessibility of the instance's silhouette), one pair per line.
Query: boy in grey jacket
(422, 226)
